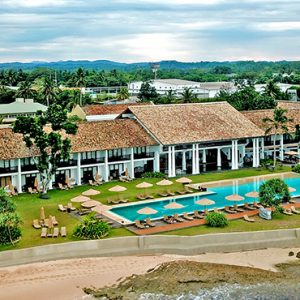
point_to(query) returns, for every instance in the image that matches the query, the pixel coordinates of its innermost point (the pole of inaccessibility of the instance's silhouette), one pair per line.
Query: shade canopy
(291, 153)
(98, 209)
(235, 197)
(205, 201)
(80, 199)
(173, 205)
(147, 211)
(252, 194)
(91, 192)
(118, 188)
(50, 222)
(184, 180)
(42, 213)
(144, 185)
(291, 189)
(164, 182)
(90, 203)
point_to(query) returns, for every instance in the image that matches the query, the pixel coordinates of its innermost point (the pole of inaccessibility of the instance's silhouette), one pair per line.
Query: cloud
(128, 30)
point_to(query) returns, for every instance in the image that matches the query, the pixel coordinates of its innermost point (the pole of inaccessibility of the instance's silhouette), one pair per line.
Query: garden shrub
(214, 219)
(91, 228)
(153, 175)
(296, 168)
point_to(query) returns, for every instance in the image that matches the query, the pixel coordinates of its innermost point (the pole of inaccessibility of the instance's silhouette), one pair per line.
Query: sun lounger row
(68, 207)
(47, 233)
(117, 201)
(186, 190)
(44, 223)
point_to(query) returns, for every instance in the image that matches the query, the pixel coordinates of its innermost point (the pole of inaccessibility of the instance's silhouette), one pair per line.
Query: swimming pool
(217, 192)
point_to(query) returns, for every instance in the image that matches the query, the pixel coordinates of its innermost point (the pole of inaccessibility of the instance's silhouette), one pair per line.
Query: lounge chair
(292, 201)
(46, 223)
(123, 200)
(188, 190)
(148, 196)
(238, 209)
(256, 205)
(55, 232)
(216, 210)
(287, 212)
(69, 185)
(141, 197)
(61, 208)
(44, 232)
(187, 217)
(91, 182)
(181, 192)
(139, 225)
(294, 210)
(63, 231)
(177, 218)
(247, 206)
(167, 220)
(122, 179)
(36, 224)
(163, 194)
(229, 210)
(170, 193)
(61, 186)
(246, 218)
(198, 216)
(70, 206)
(54, 221)
(32, 191)
(84, 211)
(149, 223)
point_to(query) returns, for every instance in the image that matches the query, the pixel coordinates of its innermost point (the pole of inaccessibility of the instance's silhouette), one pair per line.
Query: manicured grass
(28, 206)
(279, 221)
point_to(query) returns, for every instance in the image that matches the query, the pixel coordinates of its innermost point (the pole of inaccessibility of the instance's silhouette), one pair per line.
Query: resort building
(173, 139)
(21, 107)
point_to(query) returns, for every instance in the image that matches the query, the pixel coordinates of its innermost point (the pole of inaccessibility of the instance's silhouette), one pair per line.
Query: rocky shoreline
(184, 277)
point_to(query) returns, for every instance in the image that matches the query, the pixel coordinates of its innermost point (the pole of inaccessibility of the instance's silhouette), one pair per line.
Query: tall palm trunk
(274, 149)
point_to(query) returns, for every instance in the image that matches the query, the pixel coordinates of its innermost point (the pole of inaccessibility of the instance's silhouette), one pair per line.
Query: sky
(149, 30)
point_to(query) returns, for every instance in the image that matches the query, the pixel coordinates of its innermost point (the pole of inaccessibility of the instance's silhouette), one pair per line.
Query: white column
(156, 161)
(233, 157)
(236, 153)
(254, 153)
(281, 157)
(106, 170)
(262, 152)
(197, 159)
(257, 155)
(183, 161)
(243, 153)
(19, 183)
(131, 163)
(51, 182)
(78, 168)
(194, 159)
(219, 159)
(173, 162)
(204, 156)
(169, 161)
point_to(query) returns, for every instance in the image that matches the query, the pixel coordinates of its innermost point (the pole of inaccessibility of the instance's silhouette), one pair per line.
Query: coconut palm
(187, 96)
(48, 90)
(123, 94)
(25, 89)
(80, 81)
(276, 125)
(272, 90)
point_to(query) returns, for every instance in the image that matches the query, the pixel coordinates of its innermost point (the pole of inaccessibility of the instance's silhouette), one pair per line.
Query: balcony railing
(68, 163)
(8, 170)
(119, 158)
(31, 167)
(92, 161)
(143, 155)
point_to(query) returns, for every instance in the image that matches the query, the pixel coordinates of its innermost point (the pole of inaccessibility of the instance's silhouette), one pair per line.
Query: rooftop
(177, 81)
(191, 123)
(216, 85)
(91, 136)
(19, 107)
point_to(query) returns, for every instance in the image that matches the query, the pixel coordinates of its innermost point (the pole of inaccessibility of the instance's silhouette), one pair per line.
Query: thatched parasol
(118, 189)
(91, 192)
(36, 183)
(291, 189)
(147, 211)
(205, 202)
(184, 180)
(42, 213)
(252, 194)
(234, 197)
(90, 204)
(164, 182)
(173, 205)
(80, 199)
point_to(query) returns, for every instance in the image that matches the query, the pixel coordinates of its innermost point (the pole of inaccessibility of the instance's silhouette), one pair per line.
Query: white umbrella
(147, 211)
(80, 199)
(91, 192)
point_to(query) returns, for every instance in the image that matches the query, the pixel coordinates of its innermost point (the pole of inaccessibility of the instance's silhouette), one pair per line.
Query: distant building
(201, 89)
(21, 107)
(284, 87)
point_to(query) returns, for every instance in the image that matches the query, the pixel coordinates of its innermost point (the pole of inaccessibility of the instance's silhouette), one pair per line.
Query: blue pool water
(218, 194)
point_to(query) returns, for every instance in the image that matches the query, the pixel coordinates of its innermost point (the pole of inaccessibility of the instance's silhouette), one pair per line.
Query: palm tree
(170, 96)
(80, 81)
(123, 94)
(187, 96)
(272, 90)
(25, 90)
(276, 125)
(48, 90)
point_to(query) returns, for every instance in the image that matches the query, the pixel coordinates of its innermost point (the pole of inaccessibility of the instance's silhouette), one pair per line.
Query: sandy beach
(64, 279)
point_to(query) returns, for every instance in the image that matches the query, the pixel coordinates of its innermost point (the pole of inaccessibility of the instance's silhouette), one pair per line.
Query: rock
(291, 253)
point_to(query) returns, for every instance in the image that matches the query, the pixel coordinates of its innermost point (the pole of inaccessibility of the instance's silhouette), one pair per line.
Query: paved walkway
(186, 224)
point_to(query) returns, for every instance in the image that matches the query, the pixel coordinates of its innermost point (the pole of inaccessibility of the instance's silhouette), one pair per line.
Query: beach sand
(64, 279)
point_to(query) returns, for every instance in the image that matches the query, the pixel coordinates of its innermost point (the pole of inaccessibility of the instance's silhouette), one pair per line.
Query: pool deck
(186, 224)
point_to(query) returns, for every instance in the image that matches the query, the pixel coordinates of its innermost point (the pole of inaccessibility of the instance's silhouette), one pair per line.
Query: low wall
(139, 245)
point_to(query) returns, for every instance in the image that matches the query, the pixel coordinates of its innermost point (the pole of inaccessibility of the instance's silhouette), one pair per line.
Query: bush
(91, 228)
(153, 175)
(296, 168)
(215, 219)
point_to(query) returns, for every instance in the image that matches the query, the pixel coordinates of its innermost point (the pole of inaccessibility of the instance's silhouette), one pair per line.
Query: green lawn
(28, 206)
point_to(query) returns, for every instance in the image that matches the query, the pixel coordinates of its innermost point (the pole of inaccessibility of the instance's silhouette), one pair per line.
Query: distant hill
(168, 64)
